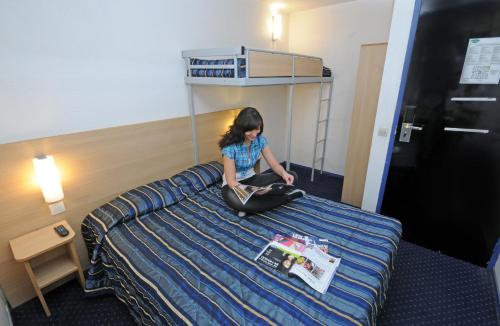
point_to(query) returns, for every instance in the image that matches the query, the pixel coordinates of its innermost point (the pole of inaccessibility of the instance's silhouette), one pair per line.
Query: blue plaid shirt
(245, 159)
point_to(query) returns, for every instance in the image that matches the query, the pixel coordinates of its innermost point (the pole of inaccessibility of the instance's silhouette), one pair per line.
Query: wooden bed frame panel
(265, 64)
(210, 127)
(308, 67)
(95, 167)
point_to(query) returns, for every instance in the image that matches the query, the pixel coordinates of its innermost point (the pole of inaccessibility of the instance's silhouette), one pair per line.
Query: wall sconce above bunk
(276, 21)
(277, 27)
(50, 182)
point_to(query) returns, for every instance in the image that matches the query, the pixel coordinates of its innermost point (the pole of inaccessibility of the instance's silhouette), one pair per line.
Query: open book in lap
(245, 192)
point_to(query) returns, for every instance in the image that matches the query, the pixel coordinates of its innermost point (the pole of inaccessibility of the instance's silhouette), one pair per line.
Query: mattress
(217, 72)
(174, 253)
(227, 72)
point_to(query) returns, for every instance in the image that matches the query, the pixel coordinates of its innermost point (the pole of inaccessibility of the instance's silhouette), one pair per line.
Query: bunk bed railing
(254, 60)
(236, 51)
(217, 52)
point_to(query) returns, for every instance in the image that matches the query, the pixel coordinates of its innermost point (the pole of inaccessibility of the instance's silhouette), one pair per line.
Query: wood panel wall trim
(370, 69)
(210, 127)
(95, 167)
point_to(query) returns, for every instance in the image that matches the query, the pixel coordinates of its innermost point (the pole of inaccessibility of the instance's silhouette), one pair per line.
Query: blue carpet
(325, 185)
(427, 288)
(69, 306)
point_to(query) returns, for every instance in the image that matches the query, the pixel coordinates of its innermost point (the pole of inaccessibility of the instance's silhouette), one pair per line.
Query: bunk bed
(245, 67)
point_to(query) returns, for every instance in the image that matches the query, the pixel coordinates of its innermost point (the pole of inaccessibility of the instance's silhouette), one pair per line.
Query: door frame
(379, 163)
(402, 88)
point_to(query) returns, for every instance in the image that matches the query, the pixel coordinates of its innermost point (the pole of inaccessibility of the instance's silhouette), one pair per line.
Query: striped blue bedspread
(174, 253)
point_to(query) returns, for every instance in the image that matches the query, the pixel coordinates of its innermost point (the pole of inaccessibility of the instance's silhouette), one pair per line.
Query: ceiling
(299, 5)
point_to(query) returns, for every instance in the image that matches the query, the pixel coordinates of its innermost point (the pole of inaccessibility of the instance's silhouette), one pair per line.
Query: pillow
(136, 202)
(199, 177)
(155, 195)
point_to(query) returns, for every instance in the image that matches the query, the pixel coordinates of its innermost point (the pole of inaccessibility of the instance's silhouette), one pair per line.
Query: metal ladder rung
(325, 99)
(318, 159)
(324, 120)
(321, 140)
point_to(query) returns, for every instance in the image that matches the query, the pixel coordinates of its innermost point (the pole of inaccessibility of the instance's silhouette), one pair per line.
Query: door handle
(468, 130)
(406, 129)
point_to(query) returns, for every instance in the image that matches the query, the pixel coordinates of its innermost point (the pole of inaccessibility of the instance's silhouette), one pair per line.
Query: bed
(224, 68)
(243, 66)
(174, 253)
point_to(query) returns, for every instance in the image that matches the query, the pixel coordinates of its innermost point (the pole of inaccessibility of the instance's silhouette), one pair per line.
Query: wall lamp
(276, 21)
(50, 182)
(277, 27)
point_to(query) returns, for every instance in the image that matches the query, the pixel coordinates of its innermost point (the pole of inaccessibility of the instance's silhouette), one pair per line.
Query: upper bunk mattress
(227, 72)
(176, 254)
(217, 72)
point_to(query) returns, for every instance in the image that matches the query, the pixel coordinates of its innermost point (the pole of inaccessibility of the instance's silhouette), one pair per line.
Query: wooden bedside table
(38, 242)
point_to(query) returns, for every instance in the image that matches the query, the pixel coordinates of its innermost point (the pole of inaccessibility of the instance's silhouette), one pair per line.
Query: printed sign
(482, 61)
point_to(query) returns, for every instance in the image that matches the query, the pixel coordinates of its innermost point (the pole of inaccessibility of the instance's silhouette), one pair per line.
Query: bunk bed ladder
(318, 139)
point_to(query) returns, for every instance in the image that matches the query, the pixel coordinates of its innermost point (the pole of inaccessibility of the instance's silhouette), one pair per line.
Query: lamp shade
(48, 178)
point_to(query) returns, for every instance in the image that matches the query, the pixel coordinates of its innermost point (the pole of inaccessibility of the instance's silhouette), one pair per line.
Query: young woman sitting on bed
(241, 147)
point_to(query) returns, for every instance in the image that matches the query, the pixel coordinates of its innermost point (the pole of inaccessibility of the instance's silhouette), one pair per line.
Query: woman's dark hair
(248, 119)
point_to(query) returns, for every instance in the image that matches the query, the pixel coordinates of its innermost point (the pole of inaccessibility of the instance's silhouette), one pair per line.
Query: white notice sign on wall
(482, 61)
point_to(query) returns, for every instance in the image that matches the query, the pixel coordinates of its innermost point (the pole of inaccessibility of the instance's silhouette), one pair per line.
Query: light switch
(57, 208)
(383, 132)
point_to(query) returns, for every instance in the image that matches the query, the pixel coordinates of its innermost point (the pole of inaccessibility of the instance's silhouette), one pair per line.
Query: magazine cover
(277, 258)
(291, 256)
(290, 243)
(316, 268)
(311, 241)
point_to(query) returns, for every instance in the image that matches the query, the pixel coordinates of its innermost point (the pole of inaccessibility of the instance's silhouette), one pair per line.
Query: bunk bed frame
(246, 67)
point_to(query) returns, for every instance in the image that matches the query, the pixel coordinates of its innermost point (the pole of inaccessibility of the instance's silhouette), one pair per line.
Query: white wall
(69, 66)
(389, 90)
(334, 33)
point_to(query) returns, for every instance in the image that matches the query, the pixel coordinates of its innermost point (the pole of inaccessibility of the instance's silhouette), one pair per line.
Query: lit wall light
(277, 27)
(276, 21)
(50, 183)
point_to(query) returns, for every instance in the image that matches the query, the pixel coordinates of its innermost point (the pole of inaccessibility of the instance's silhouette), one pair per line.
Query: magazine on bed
(309, 262)
(245, 192)
(311, 241)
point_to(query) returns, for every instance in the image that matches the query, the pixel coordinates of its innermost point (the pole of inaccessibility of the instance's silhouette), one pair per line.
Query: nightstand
(36, 243)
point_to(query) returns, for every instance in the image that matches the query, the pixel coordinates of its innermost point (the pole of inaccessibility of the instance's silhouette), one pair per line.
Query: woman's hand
(232, 185)
(287, 177)
(275, 166)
